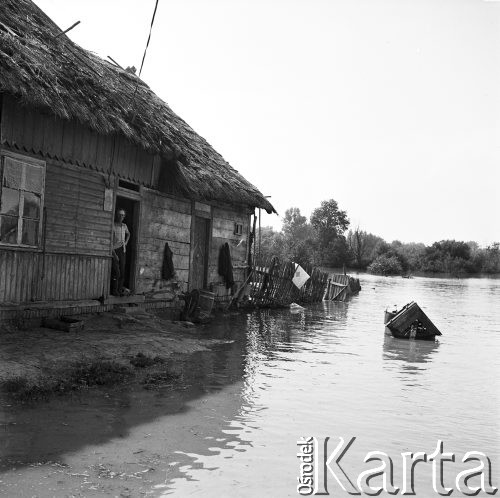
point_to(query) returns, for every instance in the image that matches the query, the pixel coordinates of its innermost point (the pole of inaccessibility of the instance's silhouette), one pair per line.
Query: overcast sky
(390, 107)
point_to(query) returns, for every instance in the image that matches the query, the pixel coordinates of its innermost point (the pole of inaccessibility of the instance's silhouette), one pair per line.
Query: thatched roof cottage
(80, 138)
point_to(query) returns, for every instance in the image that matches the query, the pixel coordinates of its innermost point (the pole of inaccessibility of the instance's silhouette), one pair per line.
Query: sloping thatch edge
(46, 70)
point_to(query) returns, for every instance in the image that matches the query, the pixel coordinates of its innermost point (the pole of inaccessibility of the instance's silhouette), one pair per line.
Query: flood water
(231, 425)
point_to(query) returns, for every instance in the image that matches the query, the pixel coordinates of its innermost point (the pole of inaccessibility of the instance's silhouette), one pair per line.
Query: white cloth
(300, 277)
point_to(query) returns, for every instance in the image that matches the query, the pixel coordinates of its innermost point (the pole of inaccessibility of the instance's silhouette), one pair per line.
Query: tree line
(326, 239)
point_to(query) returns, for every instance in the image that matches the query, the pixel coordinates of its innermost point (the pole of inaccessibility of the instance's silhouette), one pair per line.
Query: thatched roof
(52, 73)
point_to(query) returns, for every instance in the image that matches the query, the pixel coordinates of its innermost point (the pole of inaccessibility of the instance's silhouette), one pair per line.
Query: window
(21, 200)
(238, 229)
(128, 185)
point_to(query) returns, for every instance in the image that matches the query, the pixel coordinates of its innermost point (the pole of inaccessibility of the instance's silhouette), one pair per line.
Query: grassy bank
(149, 371)
(111, 349)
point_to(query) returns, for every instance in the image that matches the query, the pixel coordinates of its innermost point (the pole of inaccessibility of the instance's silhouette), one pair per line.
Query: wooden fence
(271, 285)
(340, 287)
(313, 290)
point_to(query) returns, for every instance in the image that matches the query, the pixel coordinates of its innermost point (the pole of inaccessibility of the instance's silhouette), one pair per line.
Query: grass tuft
(160, 378)
(140, 360)
(80, 375)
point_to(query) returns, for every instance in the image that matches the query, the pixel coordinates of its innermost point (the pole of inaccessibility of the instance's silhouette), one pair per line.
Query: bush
(386, 265)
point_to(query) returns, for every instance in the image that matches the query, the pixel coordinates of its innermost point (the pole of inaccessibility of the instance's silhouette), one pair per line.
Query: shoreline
(111, 349)
(357, 271)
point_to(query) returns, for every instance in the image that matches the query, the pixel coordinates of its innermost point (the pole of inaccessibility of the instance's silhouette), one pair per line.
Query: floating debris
(411, 322)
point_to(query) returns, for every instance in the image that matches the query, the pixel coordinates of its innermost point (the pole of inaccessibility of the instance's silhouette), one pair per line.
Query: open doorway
(131, 208)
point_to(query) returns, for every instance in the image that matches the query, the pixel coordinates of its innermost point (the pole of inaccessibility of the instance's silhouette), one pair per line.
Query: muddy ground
(123, 440)
(40, 353)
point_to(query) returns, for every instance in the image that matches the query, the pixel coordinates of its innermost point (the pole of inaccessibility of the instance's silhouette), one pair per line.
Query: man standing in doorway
(121, 236)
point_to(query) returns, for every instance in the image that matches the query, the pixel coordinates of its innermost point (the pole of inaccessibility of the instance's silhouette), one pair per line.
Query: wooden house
(81, 137)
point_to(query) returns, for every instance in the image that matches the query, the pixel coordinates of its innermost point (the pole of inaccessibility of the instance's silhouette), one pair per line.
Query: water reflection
(336, 311)
(323, 371)
(266, 330)
(45, 430)
(408, 355)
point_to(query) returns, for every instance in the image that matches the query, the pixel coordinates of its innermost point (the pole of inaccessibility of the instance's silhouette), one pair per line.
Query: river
(231, 426)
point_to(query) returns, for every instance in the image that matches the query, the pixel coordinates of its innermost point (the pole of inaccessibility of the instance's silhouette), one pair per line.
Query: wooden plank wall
(28, 130)
(18, 272)
(77, 229)
(223, 220)
(164, 220)
(28, 276)
(74, 263)
(68, 277)
(76, 222)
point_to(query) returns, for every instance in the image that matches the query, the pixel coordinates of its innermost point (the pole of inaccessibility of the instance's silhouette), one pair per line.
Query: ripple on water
(327, 371)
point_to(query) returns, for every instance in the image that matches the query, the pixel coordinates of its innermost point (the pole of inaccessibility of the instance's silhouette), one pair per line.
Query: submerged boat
(410, 322)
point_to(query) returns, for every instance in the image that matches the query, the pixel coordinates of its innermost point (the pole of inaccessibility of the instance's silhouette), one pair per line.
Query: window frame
(26, 161)
(238, 228)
